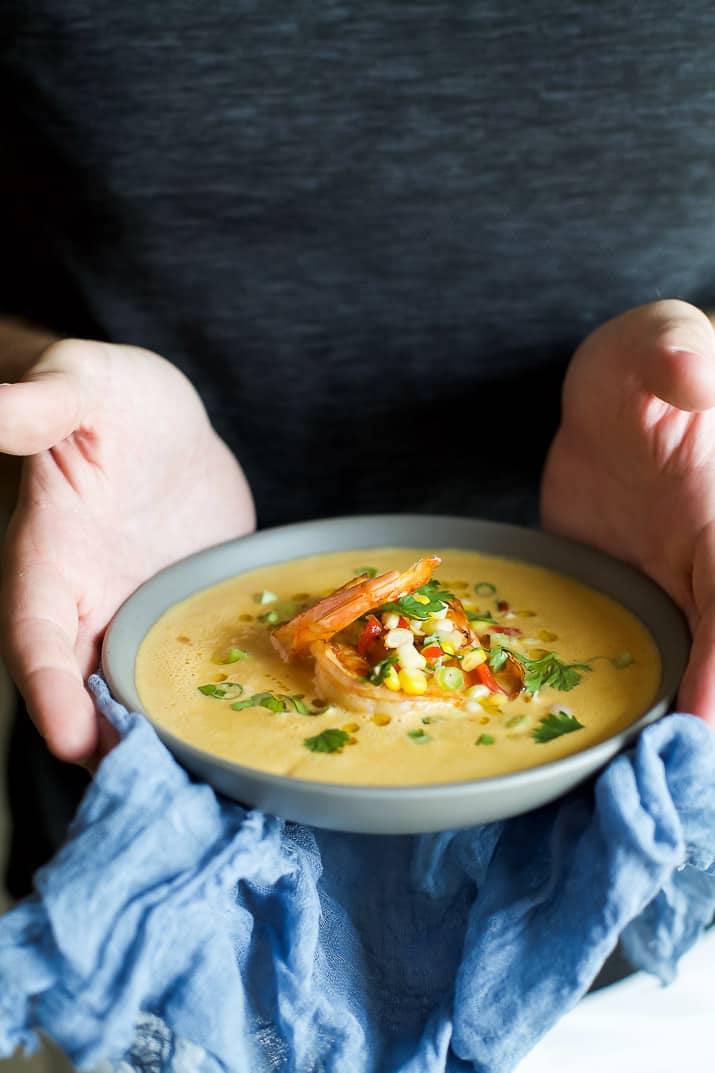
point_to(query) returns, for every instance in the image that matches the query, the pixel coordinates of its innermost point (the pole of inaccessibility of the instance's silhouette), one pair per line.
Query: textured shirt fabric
(277, 948)
(371, 233)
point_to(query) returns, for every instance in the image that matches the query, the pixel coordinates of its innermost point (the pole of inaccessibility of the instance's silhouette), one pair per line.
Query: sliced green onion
(419, 737)
(517, 721)
(622, 660)
(265, 597)
(485, 588)
(235, 654)
(282, 612)
(222, 690)
(228, 655)
(369, 570)
(319, 707)
(449, 678)
(485, 739)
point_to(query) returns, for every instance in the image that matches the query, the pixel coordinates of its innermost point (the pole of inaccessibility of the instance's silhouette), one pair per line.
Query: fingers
(670, 346)
(52, 400)
(40, 635)
(697, 692)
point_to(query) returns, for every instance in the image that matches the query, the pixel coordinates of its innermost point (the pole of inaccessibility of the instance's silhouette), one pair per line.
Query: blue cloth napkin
(179, 933)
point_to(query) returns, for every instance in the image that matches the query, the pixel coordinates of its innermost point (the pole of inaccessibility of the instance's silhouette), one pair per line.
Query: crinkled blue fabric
(260, 945)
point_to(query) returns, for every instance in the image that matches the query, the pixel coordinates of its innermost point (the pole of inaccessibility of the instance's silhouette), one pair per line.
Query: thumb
(50, 402)
(670, 347)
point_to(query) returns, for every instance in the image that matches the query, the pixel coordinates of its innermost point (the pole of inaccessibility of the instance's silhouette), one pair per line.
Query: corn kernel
(537, 653)
(391, 680)
(526, 613)
(420, 598)
(547, 636)
(437, 616)
(381, 720)
(484, 720)
(447, 648)
(221, 678)
(494, 702)
(397, 637)
(478, 692)
(350, 728)
(412, 681)
(474, 658)
(410, 657)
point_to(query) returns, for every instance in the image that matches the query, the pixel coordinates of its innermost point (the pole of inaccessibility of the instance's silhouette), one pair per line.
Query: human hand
(632, 467)
(124, 475)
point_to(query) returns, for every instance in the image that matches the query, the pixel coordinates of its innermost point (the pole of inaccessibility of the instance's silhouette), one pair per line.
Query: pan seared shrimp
(332, 614)
(340, 677)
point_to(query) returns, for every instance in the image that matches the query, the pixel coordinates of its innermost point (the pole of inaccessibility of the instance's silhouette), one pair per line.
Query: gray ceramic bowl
(396, 810)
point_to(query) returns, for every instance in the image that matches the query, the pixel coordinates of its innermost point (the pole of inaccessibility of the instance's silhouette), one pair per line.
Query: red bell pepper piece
(485, 676)
(369, 635)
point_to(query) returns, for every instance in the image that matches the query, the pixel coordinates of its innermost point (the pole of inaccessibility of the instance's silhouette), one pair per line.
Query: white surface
(637, 1026)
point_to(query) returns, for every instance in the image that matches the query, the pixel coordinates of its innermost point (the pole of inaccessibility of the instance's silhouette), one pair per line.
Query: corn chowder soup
(395, 667)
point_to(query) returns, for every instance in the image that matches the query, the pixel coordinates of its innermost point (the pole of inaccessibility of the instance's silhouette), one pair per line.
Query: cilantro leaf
(547, 670)
(410, 607)
(274, 702)
(369, 570)
(474, 617)
(497, 657)
(279, 702)
(554, 725)
(331, 740)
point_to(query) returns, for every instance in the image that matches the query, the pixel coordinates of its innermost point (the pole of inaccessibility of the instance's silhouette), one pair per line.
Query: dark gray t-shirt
(371, 233)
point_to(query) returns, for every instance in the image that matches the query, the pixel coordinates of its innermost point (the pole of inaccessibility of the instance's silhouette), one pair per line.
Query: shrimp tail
(340, 608)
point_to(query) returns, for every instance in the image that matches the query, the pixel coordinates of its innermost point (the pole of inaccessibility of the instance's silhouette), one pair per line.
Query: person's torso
(371, 234)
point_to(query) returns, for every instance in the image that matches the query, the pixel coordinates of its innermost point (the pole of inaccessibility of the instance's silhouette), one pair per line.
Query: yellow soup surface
(213, 652)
